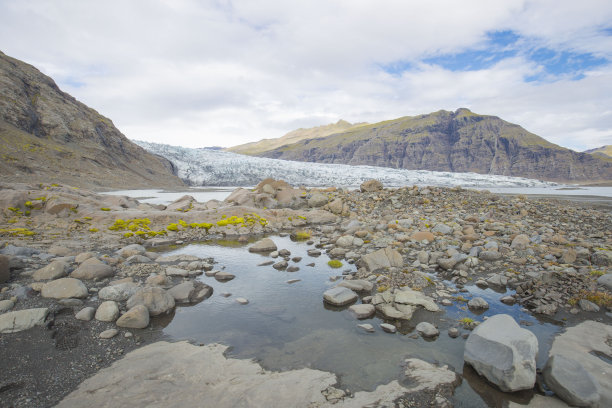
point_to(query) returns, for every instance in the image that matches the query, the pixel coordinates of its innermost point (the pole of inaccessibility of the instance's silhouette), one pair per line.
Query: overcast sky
(205, 73)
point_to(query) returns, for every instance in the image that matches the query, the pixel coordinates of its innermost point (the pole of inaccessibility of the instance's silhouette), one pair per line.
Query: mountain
(294, 136)
(48, 136)
(606, 151)
(460, 141)
(211, 167)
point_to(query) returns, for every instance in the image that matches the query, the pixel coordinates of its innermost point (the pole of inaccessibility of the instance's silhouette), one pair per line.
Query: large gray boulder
(92, 268)
(264, 245)
(503, 352)
(339, 296)
(156, 300)
(64, 288)
(190, 292)
(19, 320)
(54, 270)
(317, 200)
(370, 186)
(383, 259)
(605, 280)
(119, 293)
(569, 380)
(107, 311)
(135, 318)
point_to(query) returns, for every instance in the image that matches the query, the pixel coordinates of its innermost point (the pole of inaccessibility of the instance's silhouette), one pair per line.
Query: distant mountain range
(460, 141)
(48, 136)
(606, 151)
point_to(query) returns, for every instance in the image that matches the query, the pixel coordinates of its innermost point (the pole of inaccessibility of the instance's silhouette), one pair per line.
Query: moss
(334, 263)
(597, 273)
(105, 209)
(302, 235)
(382, 288)
(128, 234)
(93, 230)
(172, 227)
(18, 232)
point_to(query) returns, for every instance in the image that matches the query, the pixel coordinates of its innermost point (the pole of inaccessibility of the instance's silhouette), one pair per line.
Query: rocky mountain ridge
(48, 136)
(460, 141)
(606, 151)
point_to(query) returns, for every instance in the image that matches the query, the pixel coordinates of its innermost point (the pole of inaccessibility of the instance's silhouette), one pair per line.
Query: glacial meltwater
(287, 326)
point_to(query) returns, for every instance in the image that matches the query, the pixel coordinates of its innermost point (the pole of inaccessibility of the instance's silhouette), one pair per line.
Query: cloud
(201, 73)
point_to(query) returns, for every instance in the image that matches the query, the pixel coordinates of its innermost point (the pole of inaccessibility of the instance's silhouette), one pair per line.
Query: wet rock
(156, 300)
(13, 322)
(498, 280)
(363, 311)
(339, 296)
(6, 305)
(453, 332)
(427, 330)
(224, 276)
(56, 269)
(86, 314)
(357, 285)
(388, 328)
(190, 292)
(415, 298)
(503, 352)
(508, 300)
(107, 311)
(478, 303)
(368, 328)
(64, 288)
(569, 381)
(293, 269)
(92, 268)
(135, 318)
(242, 301)
(264, 245)
(280, 265)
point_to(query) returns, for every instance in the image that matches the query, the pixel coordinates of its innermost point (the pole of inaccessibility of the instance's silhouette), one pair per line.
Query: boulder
(382, 259)
(317, 200)
(336, 206)
(64, 288)
(119, 293)
(135, 318)
(605, 280)
(602, 258)
(478, 303)
(156, 300)
(363, 311)
(339, 296)
(264, 245)
(415, 298)
(569, 380)
(190, 292)
(427, 330)
(56, 269)
(345, 241)
(12, 322)
(357, 285)
(5, 269)
(6, 305)
(85, 314)
(107, 311)
(423, 236)
(503, 352)
(370, 186)
(520, 242)
(442, 229)
(92, 268)
(131, 250)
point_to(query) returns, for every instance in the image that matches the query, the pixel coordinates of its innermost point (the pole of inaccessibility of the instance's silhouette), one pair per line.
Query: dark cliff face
(49, 136)
(458, 141)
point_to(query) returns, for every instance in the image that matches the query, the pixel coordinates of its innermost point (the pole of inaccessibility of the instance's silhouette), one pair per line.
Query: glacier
(214, 167)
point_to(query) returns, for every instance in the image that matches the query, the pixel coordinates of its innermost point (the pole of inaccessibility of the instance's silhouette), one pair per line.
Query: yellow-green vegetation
(595, 272)
(172, 227)
(600, 298)
(182, 223)
(87, 218)
(334, 263)
(138, 226)
(105, 209)
(16, 211)
(466, 320)
(461, 299)
(382, 288)
(128, 234)
(29, 204)
(302, 235)
(92, 229)
(17, 232)
(201, 225)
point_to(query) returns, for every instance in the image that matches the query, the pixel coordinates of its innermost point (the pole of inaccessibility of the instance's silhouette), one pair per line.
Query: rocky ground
(82, 284)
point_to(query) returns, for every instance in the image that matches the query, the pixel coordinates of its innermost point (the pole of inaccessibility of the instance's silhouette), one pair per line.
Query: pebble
(108, 334)
(367, 327)
(293, 280)
(389, 328)
(242, 301)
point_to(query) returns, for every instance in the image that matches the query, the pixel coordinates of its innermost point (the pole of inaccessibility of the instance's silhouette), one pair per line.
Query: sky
(222, 73)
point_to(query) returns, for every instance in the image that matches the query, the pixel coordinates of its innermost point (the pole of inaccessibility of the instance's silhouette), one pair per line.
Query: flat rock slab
(416, 298)
(13, 322)
(204, 377)
(339, 296)
(571, 382)
(64, 288)
(363, 311)
(264, 245)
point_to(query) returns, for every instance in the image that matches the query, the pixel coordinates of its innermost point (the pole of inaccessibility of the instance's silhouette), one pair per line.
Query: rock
(109, 334)
(224, 276)
(280, 265)
(70, 302)
(447, 263)
(520, 242)
(242, 301)
(92, 268)
(508, 300)
(588, 306)
(190, 292)
(382, 259)
(339, 296)
(345, 241)
(602, 258)
(571, 382)
(442, 229)
(423, 236)
(392, 313)
(489, 255)
(367, 327)
(158, 280)
(119, 293)
(6, 305)
(569, 256)
(605, 280)
(135, 318)
(170, 259)
(64, 288)
(336, 206)
(156, 300)
(415, 298)
(56, 269)
(264, 245)
(13, 322)
(371, 186)
(172, 271)
(453, 332)
(136, 259)
(427, 329)
(358, 285)
(388, 328)
(503, 352)
(478, 303)
(107, 311)
(317, 200)
(293, 269)
(83, 256)
(363, 311)
(498, 280)
(131, 250)
(86, 314)
(5, 270)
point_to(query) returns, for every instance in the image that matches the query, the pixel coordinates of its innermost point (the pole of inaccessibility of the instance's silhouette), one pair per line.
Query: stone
(190, 292)
(131, 250)
(363, 311)
(5, 269)
(135, 318)
(588, 306)
(19, 320)
(388, 328)
(293, 269)
(136, 259)
(242, 300)
(317, 200)
(158, 280)
(503, 352)
(263, 245)
(336, 206)
(224, 276)
(569, 256)
(6, 305)
(447, 263)
(173, 271)
(478, 303)
(508, 300)
(368, 328)
(345, 241)
(64, 288)
(427, 330)
(358, 285)
(601, 258)
(520, 242)
(56, 269)
(498, 280)
(156, 300)
(489, 255)
(280, 265)
(442, 229)
(119, 293)
(415, 298)
(392, 313)
(107, 311)
(569, 381)
(382, 259)
(370, 186)
(92, 268)
(339, 296)
(83, 256)
(70, 302)
(86, 314)
(109, 334)
(453, 332)
(423, 236)
(605, 280)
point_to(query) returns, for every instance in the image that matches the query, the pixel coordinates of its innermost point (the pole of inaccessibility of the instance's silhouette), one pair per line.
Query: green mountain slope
(603, 150)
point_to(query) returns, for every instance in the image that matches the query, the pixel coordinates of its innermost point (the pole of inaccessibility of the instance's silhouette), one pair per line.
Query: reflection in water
(287, 326)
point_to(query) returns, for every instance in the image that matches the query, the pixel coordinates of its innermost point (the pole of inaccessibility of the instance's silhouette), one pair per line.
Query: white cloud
(225, 72)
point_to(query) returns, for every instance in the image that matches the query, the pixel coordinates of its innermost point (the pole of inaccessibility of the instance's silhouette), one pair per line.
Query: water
(157, 196)
(287, 326)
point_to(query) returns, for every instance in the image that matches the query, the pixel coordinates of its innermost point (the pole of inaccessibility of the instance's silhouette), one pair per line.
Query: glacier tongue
(213, 167)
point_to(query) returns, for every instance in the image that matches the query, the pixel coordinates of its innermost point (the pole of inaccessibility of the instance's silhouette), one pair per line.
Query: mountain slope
(294, 136)
(47, 135)
(603, 150)
(460, 141)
